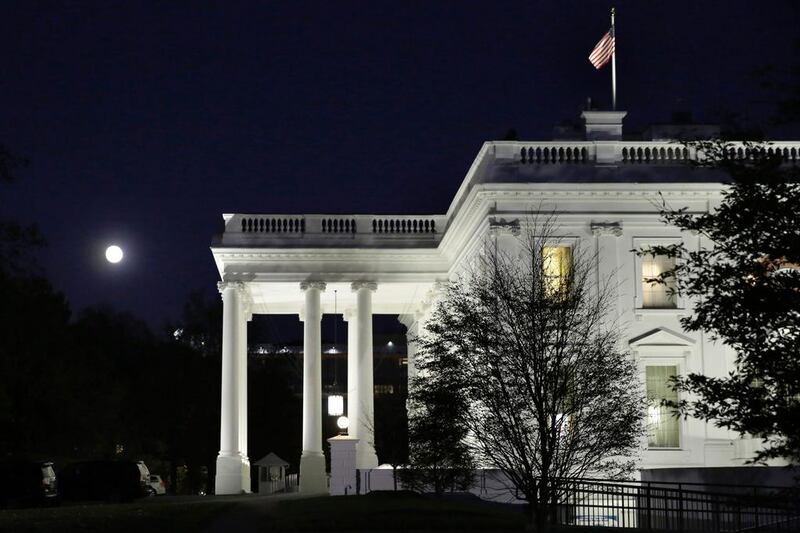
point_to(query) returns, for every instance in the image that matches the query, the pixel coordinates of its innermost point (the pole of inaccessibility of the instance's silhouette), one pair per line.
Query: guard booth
(271, 474)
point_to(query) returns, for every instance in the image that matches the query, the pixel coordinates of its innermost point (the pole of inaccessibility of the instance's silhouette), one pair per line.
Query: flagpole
(613, 63)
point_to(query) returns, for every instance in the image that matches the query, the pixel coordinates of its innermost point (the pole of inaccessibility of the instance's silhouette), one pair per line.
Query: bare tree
(525, 337)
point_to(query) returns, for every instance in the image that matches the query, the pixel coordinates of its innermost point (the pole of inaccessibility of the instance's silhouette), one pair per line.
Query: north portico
(310, 300)
(603, 190)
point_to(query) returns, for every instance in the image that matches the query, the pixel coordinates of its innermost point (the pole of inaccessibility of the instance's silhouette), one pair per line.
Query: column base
(246, 475)
(313, 478)
(230, 474)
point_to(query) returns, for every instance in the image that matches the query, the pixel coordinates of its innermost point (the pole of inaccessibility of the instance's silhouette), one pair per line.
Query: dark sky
(143, 122)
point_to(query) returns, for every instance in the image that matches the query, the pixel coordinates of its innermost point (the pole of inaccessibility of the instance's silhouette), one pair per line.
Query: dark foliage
(745, 287)
(439, 457)
(391, 431)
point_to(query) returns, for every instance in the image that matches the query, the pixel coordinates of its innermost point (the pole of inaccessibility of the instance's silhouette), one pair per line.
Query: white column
(349, 316)
(247, 316)
(363, 424)
(312, 461)
(229, 478)
(607, 237)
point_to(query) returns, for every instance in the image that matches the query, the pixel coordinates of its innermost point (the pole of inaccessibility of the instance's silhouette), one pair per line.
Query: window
(556, 266)
(383, 389)
(663, 427)
(658, 295)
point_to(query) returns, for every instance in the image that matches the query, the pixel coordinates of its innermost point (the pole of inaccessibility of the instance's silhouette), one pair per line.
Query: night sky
(143, 122)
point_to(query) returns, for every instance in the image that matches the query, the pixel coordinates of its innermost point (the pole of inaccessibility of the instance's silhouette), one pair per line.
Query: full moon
(114, 254)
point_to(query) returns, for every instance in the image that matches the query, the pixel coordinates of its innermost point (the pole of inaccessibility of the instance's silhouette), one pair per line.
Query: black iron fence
(689, 507)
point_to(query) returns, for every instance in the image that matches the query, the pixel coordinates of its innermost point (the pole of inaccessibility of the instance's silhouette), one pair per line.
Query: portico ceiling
(389, 298)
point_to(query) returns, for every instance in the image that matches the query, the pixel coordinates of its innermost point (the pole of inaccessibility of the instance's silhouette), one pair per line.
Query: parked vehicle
(24, 482)
(105, 480)
(157, 485)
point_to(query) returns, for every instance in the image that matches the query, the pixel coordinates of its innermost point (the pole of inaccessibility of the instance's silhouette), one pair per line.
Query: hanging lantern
(336, 405)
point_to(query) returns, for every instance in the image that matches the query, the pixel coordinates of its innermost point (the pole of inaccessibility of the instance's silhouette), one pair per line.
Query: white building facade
(604, 192)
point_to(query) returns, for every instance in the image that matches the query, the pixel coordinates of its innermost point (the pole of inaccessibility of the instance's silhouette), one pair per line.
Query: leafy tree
(33, 378)
(523, 342)
(439, 457)
(746, 292)
(391, 431)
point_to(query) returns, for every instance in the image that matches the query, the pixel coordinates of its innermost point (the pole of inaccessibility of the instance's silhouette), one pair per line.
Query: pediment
(661, 337)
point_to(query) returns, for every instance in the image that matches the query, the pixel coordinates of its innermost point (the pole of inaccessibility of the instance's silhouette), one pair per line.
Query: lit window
(556, 264)
(383, 389)
(658, 295)
(663, 427)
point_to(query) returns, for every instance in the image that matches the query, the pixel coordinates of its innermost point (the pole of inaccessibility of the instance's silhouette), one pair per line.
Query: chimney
(603, 125)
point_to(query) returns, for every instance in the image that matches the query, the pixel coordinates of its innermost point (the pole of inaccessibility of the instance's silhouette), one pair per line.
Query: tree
(439, 456)
(746, 293)
(524, 341)
(391, 431)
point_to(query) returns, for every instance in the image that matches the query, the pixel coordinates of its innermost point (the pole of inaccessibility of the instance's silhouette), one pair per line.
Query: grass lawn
(374, 512)
(388, 512)
(143, 516)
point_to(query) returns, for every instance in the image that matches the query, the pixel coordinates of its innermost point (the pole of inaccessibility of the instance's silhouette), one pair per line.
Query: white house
(604, 191)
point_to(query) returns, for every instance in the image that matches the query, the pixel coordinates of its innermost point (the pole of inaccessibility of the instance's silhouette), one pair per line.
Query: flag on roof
(603, 50)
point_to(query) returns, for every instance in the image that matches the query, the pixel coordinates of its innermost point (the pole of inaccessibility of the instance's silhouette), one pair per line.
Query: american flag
(603, 50)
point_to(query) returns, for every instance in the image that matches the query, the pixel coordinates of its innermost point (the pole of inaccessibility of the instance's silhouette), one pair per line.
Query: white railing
(635, 152)
(557, 152)
(655, 152)
(338, 229)
(291, 483)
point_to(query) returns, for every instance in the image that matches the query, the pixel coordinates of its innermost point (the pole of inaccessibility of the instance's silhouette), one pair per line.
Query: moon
(114, 254)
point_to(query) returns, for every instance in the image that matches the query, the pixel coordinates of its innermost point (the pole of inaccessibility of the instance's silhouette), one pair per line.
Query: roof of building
(271, 460)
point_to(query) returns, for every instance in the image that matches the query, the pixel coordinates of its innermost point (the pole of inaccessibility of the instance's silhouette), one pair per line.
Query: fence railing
(682, 507)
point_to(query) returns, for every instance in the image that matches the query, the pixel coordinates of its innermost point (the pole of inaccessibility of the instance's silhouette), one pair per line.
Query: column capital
(319, 285)
(237, 285)
(502, 226)
(358, 285)
(606, 228)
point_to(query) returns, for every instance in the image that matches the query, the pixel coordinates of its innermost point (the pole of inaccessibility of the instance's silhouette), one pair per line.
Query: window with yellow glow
(658, 295)
(663, 428)
(556, 264)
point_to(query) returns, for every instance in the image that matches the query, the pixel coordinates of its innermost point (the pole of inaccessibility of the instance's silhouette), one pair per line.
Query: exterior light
(336, 405)
(343, 422)
(390, 344)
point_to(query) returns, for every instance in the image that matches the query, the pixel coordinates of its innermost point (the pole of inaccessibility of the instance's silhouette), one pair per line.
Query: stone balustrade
(628, 152)
(337, 230)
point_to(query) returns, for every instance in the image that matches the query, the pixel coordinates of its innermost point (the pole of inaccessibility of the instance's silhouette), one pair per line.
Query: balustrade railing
(642, 152)
(549, 153)
(272, 224)
(337, 226)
